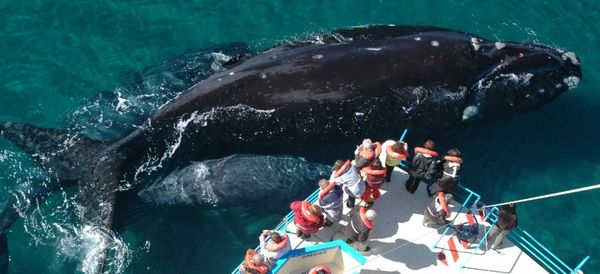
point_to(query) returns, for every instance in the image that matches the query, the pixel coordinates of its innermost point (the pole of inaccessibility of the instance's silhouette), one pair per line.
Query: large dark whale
(303, 98)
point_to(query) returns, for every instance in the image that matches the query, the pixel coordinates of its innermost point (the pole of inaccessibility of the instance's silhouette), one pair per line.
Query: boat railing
(534, 248)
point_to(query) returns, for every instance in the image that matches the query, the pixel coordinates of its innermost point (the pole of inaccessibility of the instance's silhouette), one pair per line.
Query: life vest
(272, 246)
(392, 154)
(368, 223)
(453, 159)
(374, 176)
(307, 214)
(452, 165)
(254, 268)
(423, 150)
(318, 268)
(443, 203)
(331, 185)
(371, 154)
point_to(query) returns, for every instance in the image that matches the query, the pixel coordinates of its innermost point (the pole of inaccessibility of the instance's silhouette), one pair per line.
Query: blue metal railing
(531, 246)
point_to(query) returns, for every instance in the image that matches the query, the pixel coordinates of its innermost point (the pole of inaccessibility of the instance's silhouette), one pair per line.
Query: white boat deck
(401, 244)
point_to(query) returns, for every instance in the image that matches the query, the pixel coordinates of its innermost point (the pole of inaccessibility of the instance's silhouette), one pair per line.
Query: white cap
(367, 143)
(370, 214)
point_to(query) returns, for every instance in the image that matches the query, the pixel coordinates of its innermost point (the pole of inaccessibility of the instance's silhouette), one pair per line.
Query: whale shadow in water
(304, 99)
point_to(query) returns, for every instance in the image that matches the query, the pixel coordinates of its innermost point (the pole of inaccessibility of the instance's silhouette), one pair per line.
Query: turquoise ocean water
(57, 58)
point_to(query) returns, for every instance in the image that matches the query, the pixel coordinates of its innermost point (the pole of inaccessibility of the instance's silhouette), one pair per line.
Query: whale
(237, 180)
(305, 98)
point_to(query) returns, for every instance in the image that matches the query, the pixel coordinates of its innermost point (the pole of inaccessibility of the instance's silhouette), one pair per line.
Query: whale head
(520, 77)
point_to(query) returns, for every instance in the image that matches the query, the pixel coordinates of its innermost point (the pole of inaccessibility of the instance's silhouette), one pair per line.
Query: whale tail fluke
(67, 155)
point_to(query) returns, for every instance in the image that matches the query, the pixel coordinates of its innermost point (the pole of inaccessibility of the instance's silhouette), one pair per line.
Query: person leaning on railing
(422, 167)
(307, 217)
(507, 220)
(392, 154)
(331, 202)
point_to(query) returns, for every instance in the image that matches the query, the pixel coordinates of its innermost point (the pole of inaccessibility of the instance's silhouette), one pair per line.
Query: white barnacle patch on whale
(572, 81)
(435, 43)
(499, 45)
(470, 112)
(231, 73)
(317, 56)
(571, 56)
(475, 43)
(359, 114)
(263, 75)
(373, 49)
(417, 38)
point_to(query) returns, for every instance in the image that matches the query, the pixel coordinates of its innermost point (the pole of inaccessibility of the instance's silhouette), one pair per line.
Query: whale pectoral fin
(66, 154)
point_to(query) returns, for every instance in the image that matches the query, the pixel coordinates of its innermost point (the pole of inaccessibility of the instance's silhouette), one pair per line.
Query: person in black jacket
(359, 228)
(450, 168)
(507, 220)
(423, 166)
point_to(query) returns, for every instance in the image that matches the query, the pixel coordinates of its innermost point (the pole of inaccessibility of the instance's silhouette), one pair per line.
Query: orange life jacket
(307, 214)
(454, 159)
(262, 269)
(368, 223)
(273, 246)
(322, 267)
(331, 185)
(423, 150)
(443, 202)
(374, 176)
(392, 154)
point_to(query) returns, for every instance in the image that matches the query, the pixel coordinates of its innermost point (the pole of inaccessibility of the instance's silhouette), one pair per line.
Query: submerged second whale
(304, 97)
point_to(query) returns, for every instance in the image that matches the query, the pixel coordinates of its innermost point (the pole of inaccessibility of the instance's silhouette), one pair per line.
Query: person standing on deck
(437, 210)
(373, 174)
(507, 220)
(366, 152)
(331, 202)
(347, 174)
(359, 228)
(451, 168)
(307, 217)
(423, 166)
(392, 154)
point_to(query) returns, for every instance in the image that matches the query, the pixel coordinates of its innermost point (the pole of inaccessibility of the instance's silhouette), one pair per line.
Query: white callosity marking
(470, 112)
(417, 38)
(218, 60)
(475, 43)
(359, 114)
(499, 45)
(317, 56)
(572, 81)
(435, 43)
(522, 79)
(122, 103)
(571, 56)
(263, 75)
(373, 49)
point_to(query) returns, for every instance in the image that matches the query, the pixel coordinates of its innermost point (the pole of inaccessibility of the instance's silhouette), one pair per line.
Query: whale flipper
(66, 154)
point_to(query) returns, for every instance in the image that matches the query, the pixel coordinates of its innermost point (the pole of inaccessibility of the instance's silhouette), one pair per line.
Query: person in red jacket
(307, 217)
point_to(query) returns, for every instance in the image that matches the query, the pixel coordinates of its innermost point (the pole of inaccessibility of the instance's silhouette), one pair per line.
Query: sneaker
(369, 204)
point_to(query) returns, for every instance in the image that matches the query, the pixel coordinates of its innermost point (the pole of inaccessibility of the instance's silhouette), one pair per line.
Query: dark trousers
(388, 173)
(412, 184)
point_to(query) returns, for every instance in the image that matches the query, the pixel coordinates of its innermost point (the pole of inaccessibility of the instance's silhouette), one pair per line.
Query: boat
(401, 244)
